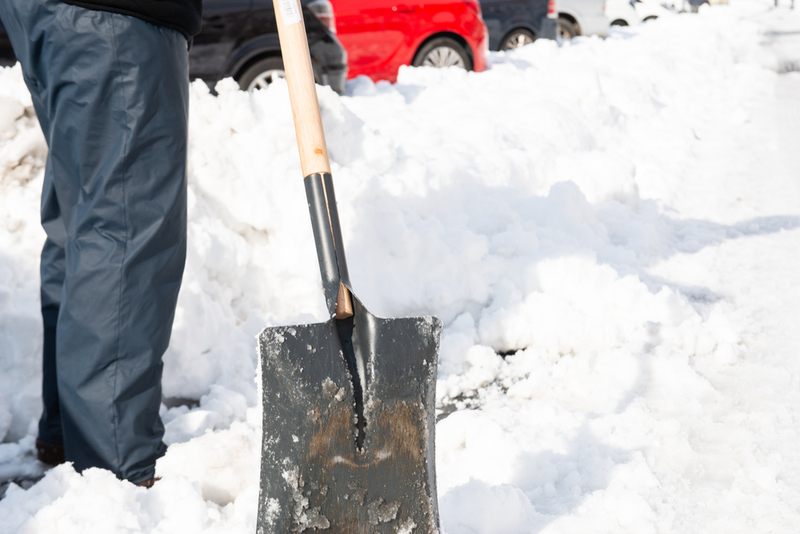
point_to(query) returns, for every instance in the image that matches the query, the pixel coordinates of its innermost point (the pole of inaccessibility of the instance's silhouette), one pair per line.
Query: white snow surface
(609, 229)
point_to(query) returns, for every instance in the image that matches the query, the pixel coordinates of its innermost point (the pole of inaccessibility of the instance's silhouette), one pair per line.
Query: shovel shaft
(302, 92)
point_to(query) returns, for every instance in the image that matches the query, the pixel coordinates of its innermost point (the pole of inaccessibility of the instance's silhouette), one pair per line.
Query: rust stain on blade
(373, 490)
(396, 432)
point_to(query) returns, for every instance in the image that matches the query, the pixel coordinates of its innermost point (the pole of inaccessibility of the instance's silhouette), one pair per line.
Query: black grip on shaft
(327, 235)
(338, 242)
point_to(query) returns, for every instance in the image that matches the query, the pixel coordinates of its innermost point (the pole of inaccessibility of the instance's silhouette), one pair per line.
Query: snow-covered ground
(609, 229)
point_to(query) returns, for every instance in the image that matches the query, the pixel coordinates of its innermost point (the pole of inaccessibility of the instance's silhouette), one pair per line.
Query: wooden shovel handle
(305, 108)
(302, 92)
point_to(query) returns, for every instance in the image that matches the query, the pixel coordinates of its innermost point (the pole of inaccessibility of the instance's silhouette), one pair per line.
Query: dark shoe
(49, 453)
(149, 482)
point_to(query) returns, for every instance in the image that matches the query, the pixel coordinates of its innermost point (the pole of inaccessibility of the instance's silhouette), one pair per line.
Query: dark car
(515, 23)
(239, 38)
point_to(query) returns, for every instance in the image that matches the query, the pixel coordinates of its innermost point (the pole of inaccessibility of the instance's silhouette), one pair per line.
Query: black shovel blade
(314, 478)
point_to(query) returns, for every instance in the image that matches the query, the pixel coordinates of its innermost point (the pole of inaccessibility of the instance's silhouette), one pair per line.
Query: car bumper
(595, 24)
(335, 78)
(549, 29)
(479, 43)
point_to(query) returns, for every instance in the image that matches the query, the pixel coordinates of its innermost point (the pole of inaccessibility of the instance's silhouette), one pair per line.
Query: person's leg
(50, 445)
(52, 259)
(126, 243)
(52, 280)
(117, 98)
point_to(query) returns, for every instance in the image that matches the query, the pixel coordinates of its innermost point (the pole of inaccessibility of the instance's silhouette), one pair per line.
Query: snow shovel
(348, 424)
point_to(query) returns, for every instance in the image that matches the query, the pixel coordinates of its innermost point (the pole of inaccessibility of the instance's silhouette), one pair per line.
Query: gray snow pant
(111, 95)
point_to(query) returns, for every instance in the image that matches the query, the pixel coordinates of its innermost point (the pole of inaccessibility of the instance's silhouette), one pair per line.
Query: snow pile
(559, 212)
(22, 157)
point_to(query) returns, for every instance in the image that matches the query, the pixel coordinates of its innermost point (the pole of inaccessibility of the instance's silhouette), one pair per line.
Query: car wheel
(650, 17)
(619, 22)
(566, 29)
(517, 39)
(442, 52)
(262, 73)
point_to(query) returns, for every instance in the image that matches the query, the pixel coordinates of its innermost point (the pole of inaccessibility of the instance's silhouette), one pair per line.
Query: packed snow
(609, 230)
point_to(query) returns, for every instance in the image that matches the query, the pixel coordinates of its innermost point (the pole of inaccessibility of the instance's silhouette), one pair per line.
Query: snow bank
(533, 207)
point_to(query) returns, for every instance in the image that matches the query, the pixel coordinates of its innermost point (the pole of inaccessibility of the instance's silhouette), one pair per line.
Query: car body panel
(382, 35)
(223, 21)
(621, 11)
(648, 9)
(374, 35)
(634, 13)
(589, 14)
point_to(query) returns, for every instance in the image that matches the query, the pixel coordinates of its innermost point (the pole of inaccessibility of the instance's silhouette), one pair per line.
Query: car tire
(517, 39)
(619, 22)
(442, 52)
(566, 29)
(261, 73)
(650, 17)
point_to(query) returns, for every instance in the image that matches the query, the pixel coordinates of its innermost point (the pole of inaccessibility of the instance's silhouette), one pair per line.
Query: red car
(382, 35)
